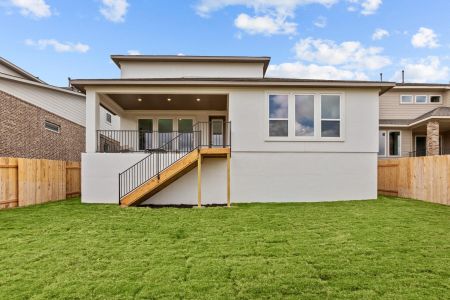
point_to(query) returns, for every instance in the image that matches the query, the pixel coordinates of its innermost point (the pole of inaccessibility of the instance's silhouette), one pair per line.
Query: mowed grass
(388, 248)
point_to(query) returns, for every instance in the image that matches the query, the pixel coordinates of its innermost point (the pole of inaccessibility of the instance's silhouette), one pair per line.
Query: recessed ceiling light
(139, 99)
(169, 99)
(198, 99)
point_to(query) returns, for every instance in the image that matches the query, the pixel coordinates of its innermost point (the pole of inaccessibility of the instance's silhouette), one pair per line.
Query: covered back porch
(152, 121)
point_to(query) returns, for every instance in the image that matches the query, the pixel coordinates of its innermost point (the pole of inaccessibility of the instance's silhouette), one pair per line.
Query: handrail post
(157, 164)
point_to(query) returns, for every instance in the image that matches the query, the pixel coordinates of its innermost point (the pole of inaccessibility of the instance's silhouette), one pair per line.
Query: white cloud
(425, 38)
(114, 10)
(134, 52)
(35, 8)
(58, 46)
(320, 22)
(271, 16)
(429, 69)
(350, 54)
(369, 7)
(366, 7)
(313, 71)
(266, 25)
(281, 7)
(380, 34)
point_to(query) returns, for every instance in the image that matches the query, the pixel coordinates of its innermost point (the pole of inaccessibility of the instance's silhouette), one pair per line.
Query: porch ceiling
(444, 126)
(178, 101)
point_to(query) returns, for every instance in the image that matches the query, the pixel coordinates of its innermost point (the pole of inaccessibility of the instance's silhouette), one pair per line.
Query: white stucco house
(199, 130)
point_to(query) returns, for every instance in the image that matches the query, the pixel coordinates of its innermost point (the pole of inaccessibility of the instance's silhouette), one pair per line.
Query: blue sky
(330, 39)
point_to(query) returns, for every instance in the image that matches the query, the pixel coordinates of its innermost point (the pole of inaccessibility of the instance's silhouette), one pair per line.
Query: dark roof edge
(273, 82)
(192, 58)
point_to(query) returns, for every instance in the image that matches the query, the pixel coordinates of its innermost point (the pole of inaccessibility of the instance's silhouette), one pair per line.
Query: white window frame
(317, 117)
(278, 119)
(412, 99)
(440, 99)
(385, 143)
(54, 124)
(426, 99)
(389, 143)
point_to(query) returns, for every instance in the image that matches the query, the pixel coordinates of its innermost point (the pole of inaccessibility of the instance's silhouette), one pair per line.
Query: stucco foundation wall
(100, 175)
(100, 180)
(303, 177)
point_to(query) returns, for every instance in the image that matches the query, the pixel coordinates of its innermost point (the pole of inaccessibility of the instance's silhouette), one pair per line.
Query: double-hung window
(305, 117)
(278, 115)
(330, 115)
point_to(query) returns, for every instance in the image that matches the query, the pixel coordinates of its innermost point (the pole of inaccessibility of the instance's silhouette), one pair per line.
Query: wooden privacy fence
(32, 181)
(423, 178)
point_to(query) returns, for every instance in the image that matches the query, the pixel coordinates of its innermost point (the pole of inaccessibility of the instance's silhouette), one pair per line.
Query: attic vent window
(52, 127)
(108, 118)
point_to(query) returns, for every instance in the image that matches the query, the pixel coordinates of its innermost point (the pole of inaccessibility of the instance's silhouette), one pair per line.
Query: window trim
(406, 95)
(317, 117)
(54, 124)
(389, 144)
(426, 99)
(385, 142)
(440, 99)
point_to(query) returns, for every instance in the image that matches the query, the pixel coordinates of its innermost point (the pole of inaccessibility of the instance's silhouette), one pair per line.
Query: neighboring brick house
(38, 120)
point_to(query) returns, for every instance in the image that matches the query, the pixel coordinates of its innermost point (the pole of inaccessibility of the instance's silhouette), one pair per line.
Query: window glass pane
(185, 125)
(278, 128)
(435, 99)
(331, 106)
(394, 143)
(421, 99)
(406, 99)
(331, 129)
(278, 106)
(165, 125)
(382, 143)
(145, 124)
(304, 115)
(186, 140)
(165, 128)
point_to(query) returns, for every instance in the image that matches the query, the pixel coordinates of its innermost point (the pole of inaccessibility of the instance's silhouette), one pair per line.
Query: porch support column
(433, 138)
(228, 180)
(199, 180)
(92, 120)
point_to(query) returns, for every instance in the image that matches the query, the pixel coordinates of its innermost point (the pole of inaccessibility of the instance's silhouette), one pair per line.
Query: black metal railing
(203, 134)
(214, 134)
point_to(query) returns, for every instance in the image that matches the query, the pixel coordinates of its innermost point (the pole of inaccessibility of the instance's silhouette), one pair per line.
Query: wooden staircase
(171, 174)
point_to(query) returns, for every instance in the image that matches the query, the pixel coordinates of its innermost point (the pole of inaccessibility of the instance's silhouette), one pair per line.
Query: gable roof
(19, 70)
(265, 60)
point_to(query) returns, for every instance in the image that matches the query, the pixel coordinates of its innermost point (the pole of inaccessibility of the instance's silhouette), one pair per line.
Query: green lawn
(388, 248)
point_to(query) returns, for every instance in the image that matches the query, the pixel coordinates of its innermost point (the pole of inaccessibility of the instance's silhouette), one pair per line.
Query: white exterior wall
(100, 175)
(262, 170)
(187, 69)
(67, 105)
(104, 125)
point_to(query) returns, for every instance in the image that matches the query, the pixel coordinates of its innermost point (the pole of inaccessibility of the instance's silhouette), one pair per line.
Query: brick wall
(22, 132)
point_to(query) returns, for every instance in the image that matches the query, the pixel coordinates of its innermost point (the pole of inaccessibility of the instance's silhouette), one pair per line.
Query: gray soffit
(177, 101)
